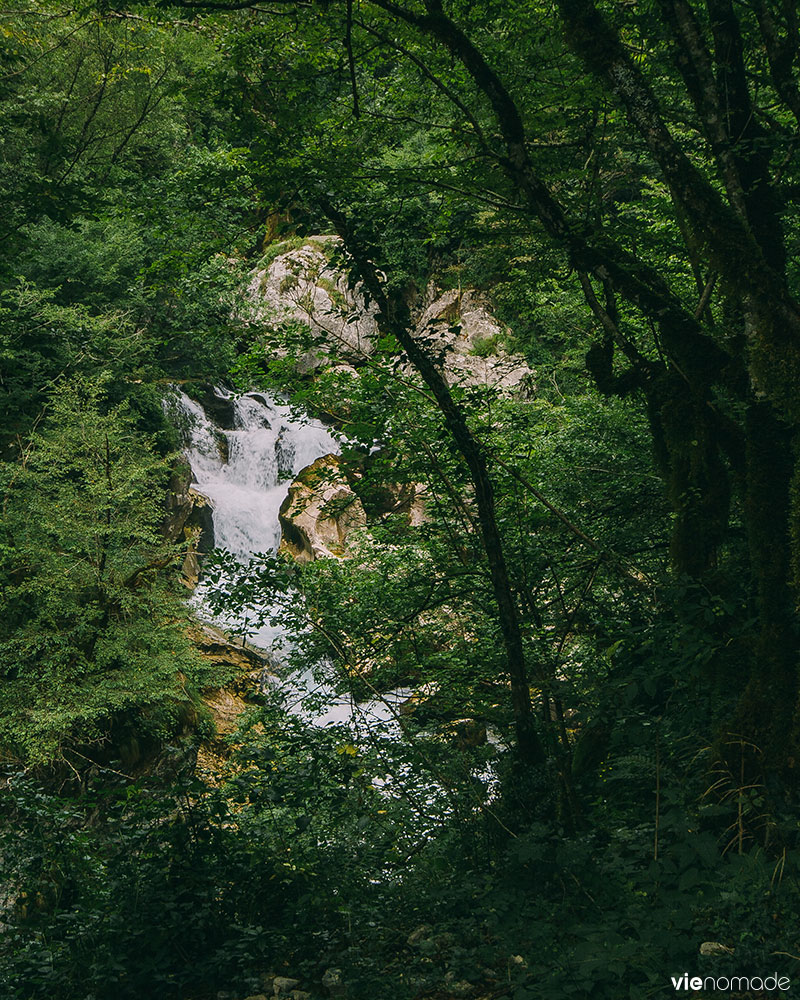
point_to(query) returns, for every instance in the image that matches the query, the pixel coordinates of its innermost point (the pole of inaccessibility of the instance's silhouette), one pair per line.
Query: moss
(275, 250)
(486, 346)
(333, 293)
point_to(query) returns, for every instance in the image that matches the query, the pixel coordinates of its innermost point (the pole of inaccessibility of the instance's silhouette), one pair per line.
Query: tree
(697, 104)
(395, 320)
(91, 635)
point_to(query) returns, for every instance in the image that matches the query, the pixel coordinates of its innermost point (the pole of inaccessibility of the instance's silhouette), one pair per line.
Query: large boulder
(198, 531)
(189, 517)
(409, 499)
(458, 329)
(178, 503)
(220, 409)
(320, 512)
(251, 669)
(391, 499)
(302, 285)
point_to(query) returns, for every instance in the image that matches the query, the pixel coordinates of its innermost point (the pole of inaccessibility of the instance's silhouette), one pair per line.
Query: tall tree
(719, 370)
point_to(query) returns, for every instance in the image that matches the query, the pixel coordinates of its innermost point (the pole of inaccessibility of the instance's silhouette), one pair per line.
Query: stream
(245, 471)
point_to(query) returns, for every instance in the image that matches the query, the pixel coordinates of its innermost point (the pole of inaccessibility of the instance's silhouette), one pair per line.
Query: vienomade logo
(742, 984)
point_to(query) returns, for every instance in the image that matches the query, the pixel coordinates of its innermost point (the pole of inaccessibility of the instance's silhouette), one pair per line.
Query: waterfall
(245, 472)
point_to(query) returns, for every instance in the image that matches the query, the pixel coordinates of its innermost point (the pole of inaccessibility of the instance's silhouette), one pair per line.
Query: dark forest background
(609, 571)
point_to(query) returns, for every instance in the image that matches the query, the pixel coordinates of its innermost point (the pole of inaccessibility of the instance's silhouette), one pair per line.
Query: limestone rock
(401, 498)
(458, 329)
(189, 516)
(283, 986)
(214, 645)
(413, 503)
(303, 286)
(319, 513)
(715, 948)
(457, 326)
(177, 503)
(227, 704)
(187, 508)
(226, 707)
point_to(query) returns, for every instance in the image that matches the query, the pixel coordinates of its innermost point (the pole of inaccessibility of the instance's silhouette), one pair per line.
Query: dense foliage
(605, 578)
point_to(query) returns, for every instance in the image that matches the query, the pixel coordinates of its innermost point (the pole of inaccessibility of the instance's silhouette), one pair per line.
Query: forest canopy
(604, 579)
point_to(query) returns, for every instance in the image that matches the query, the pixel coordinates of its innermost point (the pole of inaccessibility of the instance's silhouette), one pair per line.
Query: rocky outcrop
(303, 286)
(320, 512)
(457, 326)
(186, 507)
(214, 645)
(221, 409)
(321, 509)
(188, 517)
(459, 330)
(399, 498)
(250, 667)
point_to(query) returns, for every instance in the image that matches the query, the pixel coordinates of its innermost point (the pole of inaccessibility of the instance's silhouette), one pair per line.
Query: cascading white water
(245, 472)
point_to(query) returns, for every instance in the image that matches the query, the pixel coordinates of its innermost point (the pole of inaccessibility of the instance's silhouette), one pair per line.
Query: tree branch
(351, 62)
(781, 54)
(394, 318)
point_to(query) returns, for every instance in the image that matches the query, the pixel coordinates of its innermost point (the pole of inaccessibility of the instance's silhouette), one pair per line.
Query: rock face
(458, 329)
(187, 508)
(457, 326)
(320, 512)
(302, 285)
(188, 516)
(215, 645)
(227, 704)
(400, 498)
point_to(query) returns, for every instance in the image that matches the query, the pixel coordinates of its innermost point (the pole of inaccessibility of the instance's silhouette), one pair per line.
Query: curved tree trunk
(395, 319)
